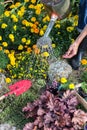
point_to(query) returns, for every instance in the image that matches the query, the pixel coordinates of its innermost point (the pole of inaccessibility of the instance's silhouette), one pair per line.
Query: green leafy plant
(3, 60)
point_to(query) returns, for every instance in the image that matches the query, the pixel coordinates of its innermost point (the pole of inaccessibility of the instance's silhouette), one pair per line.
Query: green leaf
(1, 7)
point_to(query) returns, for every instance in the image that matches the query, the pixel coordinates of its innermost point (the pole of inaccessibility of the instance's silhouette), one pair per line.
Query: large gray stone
(59, 69)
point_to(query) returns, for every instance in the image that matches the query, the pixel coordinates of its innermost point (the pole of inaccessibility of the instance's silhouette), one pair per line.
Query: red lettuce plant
(53, 113)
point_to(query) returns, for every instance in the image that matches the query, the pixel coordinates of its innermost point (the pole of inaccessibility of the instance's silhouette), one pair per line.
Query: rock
(59, 69)
(7, 127)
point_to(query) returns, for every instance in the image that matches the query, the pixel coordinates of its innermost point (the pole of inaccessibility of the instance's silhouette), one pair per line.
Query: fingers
(69, 54)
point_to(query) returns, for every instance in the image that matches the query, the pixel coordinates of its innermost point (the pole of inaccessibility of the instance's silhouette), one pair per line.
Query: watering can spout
(61, 8)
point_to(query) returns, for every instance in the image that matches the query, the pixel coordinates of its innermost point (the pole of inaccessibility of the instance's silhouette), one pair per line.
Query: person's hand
(72, 51)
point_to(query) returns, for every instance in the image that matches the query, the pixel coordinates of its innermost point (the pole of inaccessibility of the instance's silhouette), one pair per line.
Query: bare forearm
(81, 36)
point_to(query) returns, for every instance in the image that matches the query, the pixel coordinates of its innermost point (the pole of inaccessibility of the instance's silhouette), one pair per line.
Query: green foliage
(84, 76)
(3, 60)
(1, 7)
(84, 87)
(11, 108)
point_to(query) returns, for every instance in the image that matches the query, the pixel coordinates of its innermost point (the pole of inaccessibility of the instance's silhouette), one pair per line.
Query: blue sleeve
(82, 14)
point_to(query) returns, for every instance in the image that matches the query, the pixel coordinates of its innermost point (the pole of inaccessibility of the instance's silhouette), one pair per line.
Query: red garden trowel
(18, 88)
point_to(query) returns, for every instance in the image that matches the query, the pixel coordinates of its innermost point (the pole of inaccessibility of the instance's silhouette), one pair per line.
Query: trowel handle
(50, 25)
(2, 97)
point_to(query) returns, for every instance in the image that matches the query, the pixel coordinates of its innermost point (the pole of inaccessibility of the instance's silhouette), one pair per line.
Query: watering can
(57, 9)
(60, 7)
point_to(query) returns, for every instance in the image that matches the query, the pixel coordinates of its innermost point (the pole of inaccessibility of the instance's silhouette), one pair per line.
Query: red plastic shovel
(18, 88)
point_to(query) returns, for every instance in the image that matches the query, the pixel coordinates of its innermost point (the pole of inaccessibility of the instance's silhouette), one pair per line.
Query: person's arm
(72, 51)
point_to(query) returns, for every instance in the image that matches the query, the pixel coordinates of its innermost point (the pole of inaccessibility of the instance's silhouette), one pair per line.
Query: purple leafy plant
(53, 113)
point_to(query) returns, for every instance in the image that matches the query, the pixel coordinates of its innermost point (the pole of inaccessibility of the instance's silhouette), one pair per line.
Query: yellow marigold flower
(33, 19)
(32, 30)
(71, 86)
(45, 54)
(29, 50)
(36, 50)
(57, 25)
(72, 40)
(0, 38)
(28, 42)
(33, 1)
(63, 80)
(12, 6)
(15, 27)
(53, 45)
(4, 25)
(36, 30)
(0, 48)
(15, 19)
(6, 51)
(34, 46)
(41, 32)
(44, 27)
(17, 4)
(75, 23)
(20, 47)
(70, 29)
(23, 40)
(76, 17)
(13, 16)
(84, 62)
(8, 66)
(26, 0)
(11, 37)
(8, 80)
(7, 13)
(38, 11)
(31, 6)
(5, 44)
(59, 33)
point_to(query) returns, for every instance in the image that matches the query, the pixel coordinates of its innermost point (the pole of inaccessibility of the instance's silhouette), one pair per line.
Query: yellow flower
(84, 62)
(4, 25)
(33, 19)
(57, 26)
(11, 36)
(15, 27)
(0, 48)
(31, 6)
(23, 40)
(7, 13)
(20, 47)
(33, 1)
(8, 80)
(29, 50)
(45, 54)
(28, 42)
(5, 44)
(71, 86)
(17, 4)
(6, 51)
(38, 11)
(70, 29)
(15, 19)
(63, 80)
(20, 13)
(53, 45)
(41, 32)
(8, 66)
(72, 40)
(0, 38)
(26, 0)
